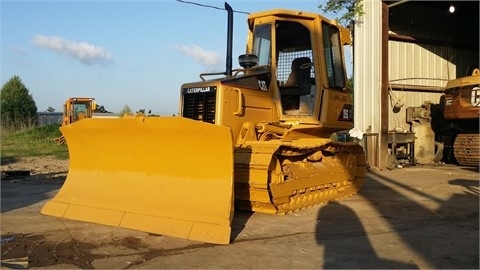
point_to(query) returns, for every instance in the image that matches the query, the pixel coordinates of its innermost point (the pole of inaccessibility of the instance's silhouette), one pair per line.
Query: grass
(34, 141)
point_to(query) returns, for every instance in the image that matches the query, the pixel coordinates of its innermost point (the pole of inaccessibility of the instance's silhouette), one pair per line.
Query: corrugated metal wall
(367, 68)
(367, 80)
(414, 64)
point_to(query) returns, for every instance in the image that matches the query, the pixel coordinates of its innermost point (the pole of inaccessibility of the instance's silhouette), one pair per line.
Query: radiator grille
(199, 105)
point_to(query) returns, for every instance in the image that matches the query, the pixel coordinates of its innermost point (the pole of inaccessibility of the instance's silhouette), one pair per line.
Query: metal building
(404, 53)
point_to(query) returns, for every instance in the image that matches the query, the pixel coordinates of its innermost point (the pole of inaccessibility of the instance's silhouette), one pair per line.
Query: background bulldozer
(271, 136)
(74, 109)
(456, 120)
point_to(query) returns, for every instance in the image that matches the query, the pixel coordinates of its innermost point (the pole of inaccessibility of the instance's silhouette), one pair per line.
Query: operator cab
(303, 63)
(295, 69)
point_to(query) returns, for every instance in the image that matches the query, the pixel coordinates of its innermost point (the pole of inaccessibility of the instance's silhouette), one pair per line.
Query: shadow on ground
(21, 192)
(446, 238)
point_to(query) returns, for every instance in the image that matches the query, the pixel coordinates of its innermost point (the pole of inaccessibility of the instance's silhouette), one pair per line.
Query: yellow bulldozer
(75, 109)
(456, 120)
(271, 136)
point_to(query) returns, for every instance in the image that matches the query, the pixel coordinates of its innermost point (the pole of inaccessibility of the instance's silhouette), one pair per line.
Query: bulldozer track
(263, 192)
(330, 191)
(467, 149)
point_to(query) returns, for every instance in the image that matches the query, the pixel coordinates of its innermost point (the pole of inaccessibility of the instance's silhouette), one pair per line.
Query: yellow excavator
(75, 109)
(271, 136)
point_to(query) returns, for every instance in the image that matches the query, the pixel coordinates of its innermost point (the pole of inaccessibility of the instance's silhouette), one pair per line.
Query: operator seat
(296, 91)
(81, 115)
(299, 75)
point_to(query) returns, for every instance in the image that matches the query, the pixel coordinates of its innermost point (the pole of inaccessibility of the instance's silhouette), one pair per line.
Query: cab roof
(288, 14)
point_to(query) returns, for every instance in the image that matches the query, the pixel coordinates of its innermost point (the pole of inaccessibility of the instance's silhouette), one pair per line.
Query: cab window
(333, 56)
(262, 43)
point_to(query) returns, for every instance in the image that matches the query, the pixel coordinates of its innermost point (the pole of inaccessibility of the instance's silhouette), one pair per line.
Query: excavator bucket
(162, 175)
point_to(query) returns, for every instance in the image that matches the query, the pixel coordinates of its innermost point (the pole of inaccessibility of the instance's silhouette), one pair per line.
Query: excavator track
(466, 149)
(269, 180)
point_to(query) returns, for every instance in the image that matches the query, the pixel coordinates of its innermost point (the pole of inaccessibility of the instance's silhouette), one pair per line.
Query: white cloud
(207, 58)
(87, 53)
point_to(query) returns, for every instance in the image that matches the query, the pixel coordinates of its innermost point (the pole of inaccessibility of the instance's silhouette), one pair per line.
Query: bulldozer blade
(163, 175)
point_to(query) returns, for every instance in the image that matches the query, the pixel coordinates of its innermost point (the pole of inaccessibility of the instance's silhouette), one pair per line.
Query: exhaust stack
(229, 39)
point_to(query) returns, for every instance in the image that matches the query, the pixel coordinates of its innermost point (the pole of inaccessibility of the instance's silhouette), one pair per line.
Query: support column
(383, 146)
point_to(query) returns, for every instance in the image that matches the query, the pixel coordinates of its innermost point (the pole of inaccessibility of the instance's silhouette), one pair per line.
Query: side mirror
(248, 60)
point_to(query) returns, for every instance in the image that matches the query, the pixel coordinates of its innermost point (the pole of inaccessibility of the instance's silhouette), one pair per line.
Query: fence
(49, 118)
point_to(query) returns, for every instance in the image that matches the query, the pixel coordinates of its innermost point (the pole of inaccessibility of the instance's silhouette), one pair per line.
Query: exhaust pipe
(229, 39)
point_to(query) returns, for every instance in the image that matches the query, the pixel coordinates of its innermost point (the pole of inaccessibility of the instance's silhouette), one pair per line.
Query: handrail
(240, 101)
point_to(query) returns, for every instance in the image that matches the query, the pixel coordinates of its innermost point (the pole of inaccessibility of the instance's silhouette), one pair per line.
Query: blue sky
(135, 53)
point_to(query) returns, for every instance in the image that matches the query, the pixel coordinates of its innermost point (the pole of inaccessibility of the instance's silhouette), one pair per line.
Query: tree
(351, 8)
(17, 107)
(50, 109)
(101, 109)
(125, 110)
(349, 11)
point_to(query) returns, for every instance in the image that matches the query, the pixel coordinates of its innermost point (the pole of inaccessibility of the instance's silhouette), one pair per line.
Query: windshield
(80, 107)
(262, 43)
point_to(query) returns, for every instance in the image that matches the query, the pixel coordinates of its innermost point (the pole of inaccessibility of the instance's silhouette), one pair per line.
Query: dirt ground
(422, 217)
(41, 171)
(44, 167)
